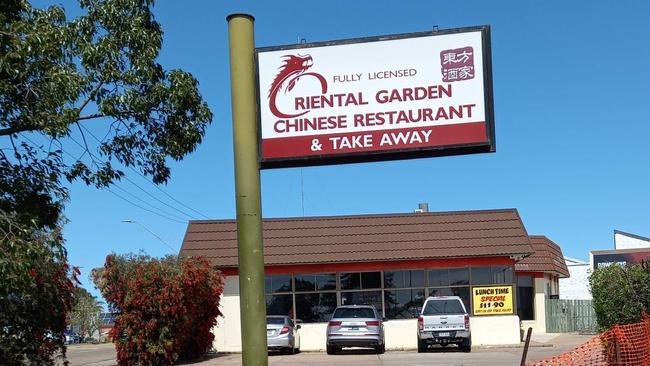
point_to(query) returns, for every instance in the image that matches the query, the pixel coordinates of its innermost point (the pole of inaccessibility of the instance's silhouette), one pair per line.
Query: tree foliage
(165, 308)
(57, 76)
(86, 313)
(621, 293)
(36, 292)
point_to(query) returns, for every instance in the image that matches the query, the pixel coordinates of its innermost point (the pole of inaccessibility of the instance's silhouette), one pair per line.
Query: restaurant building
(392, 261)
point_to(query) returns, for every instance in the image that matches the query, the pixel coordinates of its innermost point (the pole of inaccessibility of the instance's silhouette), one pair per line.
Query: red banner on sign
(370, 141)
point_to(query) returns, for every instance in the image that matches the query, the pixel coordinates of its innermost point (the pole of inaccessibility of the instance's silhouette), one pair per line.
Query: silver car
(355, 326)
(282, 334)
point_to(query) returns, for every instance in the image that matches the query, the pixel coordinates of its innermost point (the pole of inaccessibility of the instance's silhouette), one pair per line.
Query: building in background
(576, 286)
(392, 261)
(538, 279)
(623, 240)
(628, 249)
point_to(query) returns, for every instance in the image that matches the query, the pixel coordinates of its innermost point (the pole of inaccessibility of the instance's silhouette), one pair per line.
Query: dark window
(350, 281)
(525, 298)
(439, 277)
(393, 279)
(370, 280)
(305, 283)
(462, 292)
(403, 304)
(401, 279)
(326, 281)
(526, 281)
(315, 282)
(362, 298)
(275, 320)
(502, 274)
(342, 313)
(459, 276)
(280, 283)
(279, 305)
(481, 275)
(441, 307)
(314, 308)
(441, 291)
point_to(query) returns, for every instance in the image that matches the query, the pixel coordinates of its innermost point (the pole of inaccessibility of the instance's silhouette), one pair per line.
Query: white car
(444, 320)
(282, 334)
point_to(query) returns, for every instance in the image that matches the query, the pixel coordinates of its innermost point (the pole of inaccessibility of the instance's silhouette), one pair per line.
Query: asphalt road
(91, 354)
(103, 355)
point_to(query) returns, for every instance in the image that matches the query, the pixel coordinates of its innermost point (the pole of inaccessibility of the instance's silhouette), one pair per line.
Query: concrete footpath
(542, 346)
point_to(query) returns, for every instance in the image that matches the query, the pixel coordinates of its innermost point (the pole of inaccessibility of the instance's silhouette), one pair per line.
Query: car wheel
(331, 350)
(466, 346)
(422, 346)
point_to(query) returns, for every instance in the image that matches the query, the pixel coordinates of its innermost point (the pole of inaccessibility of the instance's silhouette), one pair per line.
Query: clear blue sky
(571, 94)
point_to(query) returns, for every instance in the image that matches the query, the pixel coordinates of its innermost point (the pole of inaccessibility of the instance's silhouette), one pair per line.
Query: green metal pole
(252, 305)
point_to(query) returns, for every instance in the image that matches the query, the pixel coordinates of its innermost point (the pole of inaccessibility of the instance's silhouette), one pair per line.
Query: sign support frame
(247, 190)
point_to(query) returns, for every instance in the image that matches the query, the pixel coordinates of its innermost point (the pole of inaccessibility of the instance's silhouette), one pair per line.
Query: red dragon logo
(291, 71)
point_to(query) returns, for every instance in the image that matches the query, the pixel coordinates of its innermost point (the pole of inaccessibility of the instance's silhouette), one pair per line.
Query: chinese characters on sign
(376, 99)
(457, 64)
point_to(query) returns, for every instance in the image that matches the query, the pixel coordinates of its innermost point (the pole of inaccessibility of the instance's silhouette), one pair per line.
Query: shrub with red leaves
(166, 307)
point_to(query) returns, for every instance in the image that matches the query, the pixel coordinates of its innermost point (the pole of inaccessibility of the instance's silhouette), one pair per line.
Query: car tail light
(467, 321)
(284, 330)
(373, 323)
(334, 323)
(421, 323)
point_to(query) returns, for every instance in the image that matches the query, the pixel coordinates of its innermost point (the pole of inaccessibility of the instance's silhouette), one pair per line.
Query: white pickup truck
(444, 320)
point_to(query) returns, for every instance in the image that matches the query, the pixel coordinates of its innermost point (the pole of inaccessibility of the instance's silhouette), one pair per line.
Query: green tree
(36, 286)
(621, 293)
(60, 79)
(86, 313)
(56, 75)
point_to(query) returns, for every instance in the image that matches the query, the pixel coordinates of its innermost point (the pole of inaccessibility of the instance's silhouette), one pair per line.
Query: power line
(147, 203)
(93, 157)
(146, 209)
(108, 189)
(155, 185)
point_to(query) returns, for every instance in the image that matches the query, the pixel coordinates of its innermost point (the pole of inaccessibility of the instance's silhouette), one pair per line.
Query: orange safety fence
(627, 345)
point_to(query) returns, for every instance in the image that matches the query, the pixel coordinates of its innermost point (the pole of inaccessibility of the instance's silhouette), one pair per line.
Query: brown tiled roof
(547, 258)
(338, 239)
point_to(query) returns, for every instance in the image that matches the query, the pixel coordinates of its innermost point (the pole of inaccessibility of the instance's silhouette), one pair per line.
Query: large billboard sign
(382, 98)
(604, 258)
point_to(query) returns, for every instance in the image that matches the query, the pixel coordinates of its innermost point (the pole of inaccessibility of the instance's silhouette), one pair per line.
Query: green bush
(621, 294)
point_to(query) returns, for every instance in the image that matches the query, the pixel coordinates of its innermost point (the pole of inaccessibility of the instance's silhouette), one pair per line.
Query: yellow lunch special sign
(492, 300)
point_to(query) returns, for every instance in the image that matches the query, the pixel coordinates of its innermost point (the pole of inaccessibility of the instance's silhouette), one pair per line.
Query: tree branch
(90, 96)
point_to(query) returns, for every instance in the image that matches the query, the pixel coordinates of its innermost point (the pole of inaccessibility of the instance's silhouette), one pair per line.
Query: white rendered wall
(576, 287)
(622, 241)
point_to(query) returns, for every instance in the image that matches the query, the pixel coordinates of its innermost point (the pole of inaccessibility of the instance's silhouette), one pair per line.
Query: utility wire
(147, 203)
(155, 185)
(108, 189)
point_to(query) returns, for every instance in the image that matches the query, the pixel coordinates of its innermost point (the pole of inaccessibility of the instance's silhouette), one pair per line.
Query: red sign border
(395, 154)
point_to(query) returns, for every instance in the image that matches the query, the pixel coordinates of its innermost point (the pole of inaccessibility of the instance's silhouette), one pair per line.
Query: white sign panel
(383, 98)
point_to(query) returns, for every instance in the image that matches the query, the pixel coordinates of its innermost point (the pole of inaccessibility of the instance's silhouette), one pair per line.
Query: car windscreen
(275, 321)
(441, 307)
(354, 313)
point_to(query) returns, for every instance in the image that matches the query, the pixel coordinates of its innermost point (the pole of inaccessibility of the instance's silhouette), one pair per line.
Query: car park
(355, 326)
(282, 334)
(444, 320)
